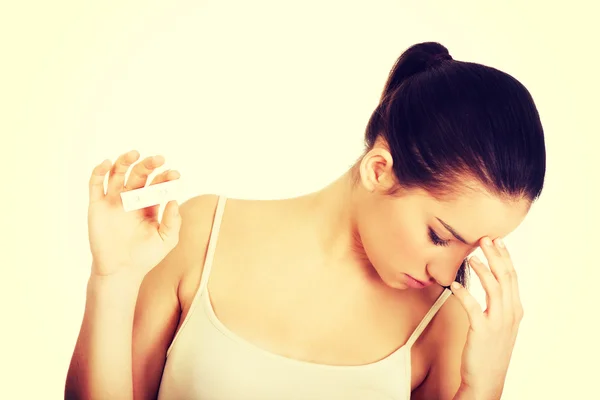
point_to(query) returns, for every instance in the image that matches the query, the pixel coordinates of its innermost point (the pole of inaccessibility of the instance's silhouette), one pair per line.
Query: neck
(331, 214)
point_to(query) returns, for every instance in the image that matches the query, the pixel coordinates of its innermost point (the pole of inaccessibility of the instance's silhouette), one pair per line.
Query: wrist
(117, 287)
(124, 275)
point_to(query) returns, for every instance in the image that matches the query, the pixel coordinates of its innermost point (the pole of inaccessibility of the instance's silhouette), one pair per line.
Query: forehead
(477, 213)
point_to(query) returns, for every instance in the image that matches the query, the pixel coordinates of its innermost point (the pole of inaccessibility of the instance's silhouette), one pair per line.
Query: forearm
(101, 366)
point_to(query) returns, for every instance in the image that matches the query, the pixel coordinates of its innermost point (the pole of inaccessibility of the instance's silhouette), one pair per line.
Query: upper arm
(449, 334)
(158, 307)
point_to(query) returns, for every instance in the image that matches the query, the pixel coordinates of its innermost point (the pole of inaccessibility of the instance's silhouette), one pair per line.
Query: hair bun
(415, 60)
(437, 59)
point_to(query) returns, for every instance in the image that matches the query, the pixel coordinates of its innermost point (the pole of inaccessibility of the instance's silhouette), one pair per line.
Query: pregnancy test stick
(160, 193)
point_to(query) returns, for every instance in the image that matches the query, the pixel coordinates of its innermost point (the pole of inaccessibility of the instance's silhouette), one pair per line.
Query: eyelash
(435, 239)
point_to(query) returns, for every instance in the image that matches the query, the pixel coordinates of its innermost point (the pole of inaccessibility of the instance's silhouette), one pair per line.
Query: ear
(376, 173)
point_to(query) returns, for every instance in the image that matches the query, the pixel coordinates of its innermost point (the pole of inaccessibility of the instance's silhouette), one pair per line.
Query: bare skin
(290, 285)
(334, 261)
(277, 262)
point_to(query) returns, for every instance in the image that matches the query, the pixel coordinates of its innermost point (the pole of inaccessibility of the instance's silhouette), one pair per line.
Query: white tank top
(207, 361)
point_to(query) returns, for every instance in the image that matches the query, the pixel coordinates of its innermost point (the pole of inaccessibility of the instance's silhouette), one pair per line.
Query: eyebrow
(453, 231)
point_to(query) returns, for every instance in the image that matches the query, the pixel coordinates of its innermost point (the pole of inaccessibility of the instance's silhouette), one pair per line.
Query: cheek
(395, 248)
(444, 266)
(411, 250)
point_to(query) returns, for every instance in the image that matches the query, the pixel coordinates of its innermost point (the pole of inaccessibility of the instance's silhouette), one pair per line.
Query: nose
(443, 273)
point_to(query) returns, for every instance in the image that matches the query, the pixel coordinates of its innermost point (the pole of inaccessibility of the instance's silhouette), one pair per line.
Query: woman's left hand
(493, 332)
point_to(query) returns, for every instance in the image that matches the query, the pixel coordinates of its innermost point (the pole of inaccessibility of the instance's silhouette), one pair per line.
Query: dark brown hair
(446, 120)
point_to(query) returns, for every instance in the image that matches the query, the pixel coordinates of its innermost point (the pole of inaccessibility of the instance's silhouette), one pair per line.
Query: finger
(517, 305)
(509, 274)
(116, 178)
(97, 181)
(170, 225)
(168, 175)
(165, 176)
(494, 299)
(501, 247)
(471, 306)
(516, 302)
(501, 271)
(515, 298)
(496, 263)
(140, 172)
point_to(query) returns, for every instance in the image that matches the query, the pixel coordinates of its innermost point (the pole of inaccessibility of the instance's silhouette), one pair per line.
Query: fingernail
(500, 243)
(455, 285)
(487, 241)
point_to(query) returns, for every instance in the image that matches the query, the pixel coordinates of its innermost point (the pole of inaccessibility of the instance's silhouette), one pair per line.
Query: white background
(269, 99)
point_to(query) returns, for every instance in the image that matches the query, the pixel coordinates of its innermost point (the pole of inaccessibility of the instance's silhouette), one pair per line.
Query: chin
(398, 285)
(394, 282)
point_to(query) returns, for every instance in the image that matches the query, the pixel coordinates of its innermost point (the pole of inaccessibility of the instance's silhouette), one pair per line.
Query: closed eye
(435, 239)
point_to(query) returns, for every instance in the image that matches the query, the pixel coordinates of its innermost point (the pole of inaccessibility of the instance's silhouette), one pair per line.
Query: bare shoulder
(451, 323)
(196, 221)
(161, 284)
(159, 305)
(446, 341)
(197, 216)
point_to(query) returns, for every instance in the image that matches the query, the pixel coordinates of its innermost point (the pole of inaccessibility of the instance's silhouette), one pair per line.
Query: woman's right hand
(129, 244)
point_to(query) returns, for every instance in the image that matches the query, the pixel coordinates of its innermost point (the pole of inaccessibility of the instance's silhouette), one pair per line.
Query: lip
(415, 283)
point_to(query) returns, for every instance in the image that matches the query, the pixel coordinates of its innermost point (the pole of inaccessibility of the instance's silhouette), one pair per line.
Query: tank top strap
(428, 317)
(212, 243)
(210, 254)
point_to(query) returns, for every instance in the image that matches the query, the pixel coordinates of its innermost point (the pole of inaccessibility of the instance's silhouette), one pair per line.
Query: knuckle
(519, 313)
(491, 250)
(122, 161)
(495, 289)
(141, 176)
(97, 171)
(147, 163)
(119, 169)
(140, 169)
(139, 172)
(158, 179)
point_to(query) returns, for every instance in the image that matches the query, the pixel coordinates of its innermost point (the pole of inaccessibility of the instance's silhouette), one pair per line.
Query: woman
(339, 294)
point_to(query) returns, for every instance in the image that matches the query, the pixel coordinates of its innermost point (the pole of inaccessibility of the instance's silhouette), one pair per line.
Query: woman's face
(416, 235)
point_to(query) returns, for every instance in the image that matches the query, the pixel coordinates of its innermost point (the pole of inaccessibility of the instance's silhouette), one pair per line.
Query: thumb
(171, 224)
(468, 302)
